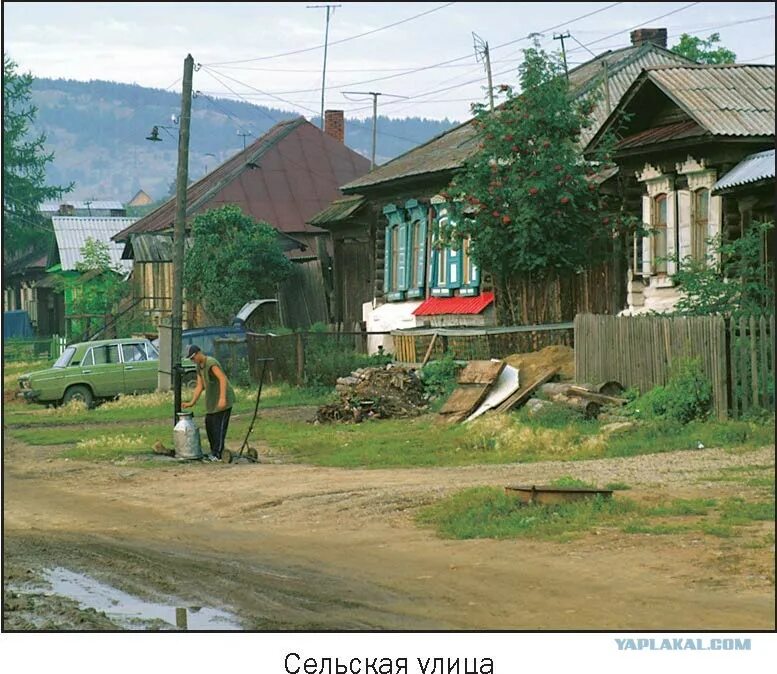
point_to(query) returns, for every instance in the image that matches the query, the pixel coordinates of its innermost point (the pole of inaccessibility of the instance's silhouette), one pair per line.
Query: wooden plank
(771, 354)
(743, 365)
(481, 372)
(524, 393)
(764, 367)
(580, 392)
(429, 350)
(464, 400)
(754, 363)
(734, 369)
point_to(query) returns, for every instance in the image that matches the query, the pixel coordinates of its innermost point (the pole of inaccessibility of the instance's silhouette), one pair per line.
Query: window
(659, 233)
(452, 266)
(102, 355)
(416, 246)
(700, 224)
(395, 246)
(133, 353)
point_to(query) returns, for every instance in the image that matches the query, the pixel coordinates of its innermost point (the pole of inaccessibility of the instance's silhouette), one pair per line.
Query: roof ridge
(710, 66)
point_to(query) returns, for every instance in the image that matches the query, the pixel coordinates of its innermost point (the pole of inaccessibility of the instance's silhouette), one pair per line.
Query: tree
(233, 259)
(742, 285)
(530, 206)
(24, 165)
(704, 51)
(99, 287)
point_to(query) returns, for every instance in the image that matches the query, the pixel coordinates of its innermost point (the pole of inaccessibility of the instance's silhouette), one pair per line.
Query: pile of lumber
(585, 399)
(494, 386)
(386, 392)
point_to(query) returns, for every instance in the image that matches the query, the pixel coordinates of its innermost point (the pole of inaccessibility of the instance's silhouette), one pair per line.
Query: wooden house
(284, 178)
(698, 144)
(402, 203)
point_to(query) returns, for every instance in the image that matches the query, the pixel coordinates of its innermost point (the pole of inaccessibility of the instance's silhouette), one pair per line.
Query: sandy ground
(295, 547)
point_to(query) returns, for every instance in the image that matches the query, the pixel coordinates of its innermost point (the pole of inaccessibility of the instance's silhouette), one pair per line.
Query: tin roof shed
(72, 232)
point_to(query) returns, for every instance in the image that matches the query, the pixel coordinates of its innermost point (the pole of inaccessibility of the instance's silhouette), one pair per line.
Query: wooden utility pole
(326, 45)
(374, 95)
(481, 48)
(562, 36)
(179, 230)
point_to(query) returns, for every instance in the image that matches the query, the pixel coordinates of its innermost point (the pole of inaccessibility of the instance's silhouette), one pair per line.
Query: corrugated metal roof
(451, 149)
(53, 206)
(284, 177)
(338, 210)
(662, 134)
(727, 100)
(437, 306)
(753, 168)
(72, 232)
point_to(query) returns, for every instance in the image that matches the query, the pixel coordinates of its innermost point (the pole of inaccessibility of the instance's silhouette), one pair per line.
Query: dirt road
(304, 548)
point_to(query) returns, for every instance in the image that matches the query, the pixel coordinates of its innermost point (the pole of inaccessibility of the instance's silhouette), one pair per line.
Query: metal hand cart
(227, 456)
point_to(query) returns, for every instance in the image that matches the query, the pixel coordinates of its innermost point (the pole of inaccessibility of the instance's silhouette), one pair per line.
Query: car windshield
(64, 359)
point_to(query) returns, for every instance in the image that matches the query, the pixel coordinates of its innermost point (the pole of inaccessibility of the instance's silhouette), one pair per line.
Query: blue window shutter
(404, 262)
(387, 262)
(395, 217)
(417, 215)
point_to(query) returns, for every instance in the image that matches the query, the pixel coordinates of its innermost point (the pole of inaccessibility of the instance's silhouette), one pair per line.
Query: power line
(453, 60)
(641, 24)
(686, 32)
(346, 39)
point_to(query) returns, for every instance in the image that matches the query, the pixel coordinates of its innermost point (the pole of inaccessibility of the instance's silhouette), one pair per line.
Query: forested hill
(97, 131)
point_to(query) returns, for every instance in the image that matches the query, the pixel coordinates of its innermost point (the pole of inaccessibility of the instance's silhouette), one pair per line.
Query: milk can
(186, 437)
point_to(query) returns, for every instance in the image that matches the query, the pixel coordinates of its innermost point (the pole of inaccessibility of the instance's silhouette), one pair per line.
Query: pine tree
(24, 166)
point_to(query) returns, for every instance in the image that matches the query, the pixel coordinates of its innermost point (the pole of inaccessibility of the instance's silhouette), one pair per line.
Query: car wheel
(189, 380)
(79, 392)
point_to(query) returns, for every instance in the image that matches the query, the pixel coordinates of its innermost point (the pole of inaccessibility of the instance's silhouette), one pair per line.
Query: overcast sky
(244, 47)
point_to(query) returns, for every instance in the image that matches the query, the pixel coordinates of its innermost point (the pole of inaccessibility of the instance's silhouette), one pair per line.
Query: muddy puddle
(133, 613)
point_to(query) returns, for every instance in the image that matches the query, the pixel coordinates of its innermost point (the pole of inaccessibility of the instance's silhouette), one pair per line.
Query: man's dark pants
(216, 425)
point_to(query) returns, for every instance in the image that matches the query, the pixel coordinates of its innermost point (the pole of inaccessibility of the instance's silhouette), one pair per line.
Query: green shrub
(439, 376)
(327, 359)
(686, 396)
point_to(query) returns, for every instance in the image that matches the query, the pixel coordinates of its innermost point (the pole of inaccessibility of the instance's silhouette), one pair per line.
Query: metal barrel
(186, 437)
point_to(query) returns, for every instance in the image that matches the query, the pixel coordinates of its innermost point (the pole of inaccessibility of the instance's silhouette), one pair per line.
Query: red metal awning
(436, 306)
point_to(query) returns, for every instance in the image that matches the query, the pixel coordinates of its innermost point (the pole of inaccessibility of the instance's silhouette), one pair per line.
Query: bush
(686, 396)
(326, 360)
(439, 376)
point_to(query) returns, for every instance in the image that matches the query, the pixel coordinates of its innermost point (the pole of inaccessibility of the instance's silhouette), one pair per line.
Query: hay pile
(532, 364)
(393, 391)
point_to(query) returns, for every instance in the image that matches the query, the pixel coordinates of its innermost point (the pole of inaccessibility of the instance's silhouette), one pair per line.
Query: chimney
(645, 35)
(334, 124)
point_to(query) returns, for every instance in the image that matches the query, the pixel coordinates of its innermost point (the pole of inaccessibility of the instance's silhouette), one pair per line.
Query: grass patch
(110, 447)
(683, 507)
(373, 444)
(745, 475)
(571, 482)
(487, 512)
(76, 435)
(617, 486)
(157, 406)
(737, 511)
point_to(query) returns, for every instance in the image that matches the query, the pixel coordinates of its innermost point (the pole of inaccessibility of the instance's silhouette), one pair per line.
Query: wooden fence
(411, 346)
(639, 351)
(751, 364)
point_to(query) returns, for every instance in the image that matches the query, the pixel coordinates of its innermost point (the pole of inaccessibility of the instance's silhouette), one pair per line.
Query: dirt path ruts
(299, 547)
